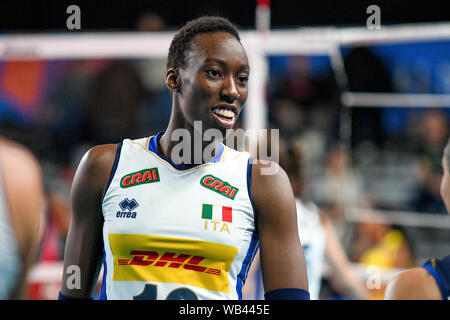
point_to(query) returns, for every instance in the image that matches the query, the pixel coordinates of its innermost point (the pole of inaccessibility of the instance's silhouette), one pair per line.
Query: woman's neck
(185, 144)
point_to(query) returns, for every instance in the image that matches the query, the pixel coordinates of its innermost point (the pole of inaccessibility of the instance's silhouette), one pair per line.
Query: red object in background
(22, 83)
(262, 16)
(50, 247)
(263, 3)
(43, 291)
(44, 281)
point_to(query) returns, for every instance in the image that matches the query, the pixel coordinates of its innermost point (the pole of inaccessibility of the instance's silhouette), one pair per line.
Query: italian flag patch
(217, 212)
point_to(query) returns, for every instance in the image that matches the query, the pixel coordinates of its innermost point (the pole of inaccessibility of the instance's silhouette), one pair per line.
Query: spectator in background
(431, 281)
(288, 116)
(319, 240)
(113, 105)
(432, 140)
(304, 100)
(291, 96)
(155, 115)
(339, 189)
(64, 106)
(366, 72)
(321, 246)
(151, 21)
(381, 245)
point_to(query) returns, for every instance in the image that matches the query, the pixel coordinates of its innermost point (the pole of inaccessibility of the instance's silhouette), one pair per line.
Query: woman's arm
(84, 244)
(413, 284)
(282, 260)
(24, 191)
(343, 273)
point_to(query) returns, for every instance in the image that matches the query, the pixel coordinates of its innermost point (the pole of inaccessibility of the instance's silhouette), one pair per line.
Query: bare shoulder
(272, 193)
(413, 284)
(18, 156)
(267, 175)
(22, 176)
(100, 157)
(266, 168)
(94, 169)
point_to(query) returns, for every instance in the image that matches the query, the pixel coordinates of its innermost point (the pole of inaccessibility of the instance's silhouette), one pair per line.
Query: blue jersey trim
(249, 185)
(436, 276)
(242, 276)
(249, 179)
(254, 243)
(113, 170)
(153, 147)
(105, 271)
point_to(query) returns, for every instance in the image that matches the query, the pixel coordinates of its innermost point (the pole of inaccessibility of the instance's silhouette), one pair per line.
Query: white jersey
(313, 239)
(177, 232)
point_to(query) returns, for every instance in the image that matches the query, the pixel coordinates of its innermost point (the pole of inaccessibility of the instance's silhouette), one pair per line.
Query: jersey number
(150, 290)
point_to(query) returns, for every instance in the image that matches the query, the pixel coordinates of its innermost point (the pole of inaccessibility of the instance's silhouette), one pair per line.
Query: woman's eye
(243, 79)
(213, 73)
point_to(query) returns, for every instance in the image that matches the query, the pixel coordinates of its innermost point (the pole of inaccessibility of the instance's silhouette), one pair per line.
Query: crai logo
(221, 187)
(139, 177)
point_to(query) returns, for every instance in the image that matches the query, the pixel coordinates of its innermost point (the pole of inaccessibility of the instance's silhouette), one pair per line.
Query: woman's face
(213, 86)
(445, 184)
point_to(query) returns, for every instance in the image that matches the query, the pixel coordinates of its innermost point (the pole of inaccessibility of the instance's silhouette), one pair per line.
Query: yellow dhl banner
(176, 260)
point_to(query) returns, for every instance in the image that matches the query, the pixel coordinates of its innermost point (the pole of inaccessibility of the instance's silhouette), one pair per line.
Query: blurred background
(369, 109)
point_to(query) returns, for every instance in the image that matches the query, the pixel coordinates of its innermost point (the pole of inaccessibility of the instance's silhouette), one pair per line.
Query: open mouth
(225, 116)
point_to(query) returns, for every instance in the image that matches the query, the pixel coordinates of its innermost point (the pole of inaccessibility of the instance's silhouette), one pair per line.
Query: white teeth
(224, 112)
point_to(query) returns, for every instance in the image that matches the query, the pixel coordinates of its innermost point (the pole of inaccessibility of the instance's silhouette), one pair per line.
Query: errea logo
(127, 207)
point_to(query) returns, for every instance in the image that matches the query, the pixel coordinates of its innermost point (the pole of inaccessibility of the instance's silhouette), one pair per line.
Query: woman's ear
(173, 81)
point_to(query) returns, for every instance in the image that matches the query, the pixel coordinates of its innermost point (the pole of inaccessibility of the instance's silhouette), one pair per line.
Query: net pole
(256, 114)
(345, 117)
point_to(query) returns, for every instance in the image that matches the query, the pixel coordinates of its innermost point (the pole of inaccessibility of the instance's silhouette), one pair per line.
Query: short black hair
(182, 39)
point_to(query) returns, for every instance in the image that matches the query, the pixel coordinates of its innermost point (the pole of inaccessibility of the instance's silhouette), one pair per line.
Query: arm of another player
(343, 273)
(22, 180)
(413, 284)
(84, 244)
(282, 260)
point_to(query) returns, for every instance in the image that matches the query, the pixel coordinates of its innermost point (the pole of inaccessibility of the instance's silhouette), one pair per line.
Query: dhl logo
(139, 177)
(221, 187)
(168, 259)
(192, 262)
